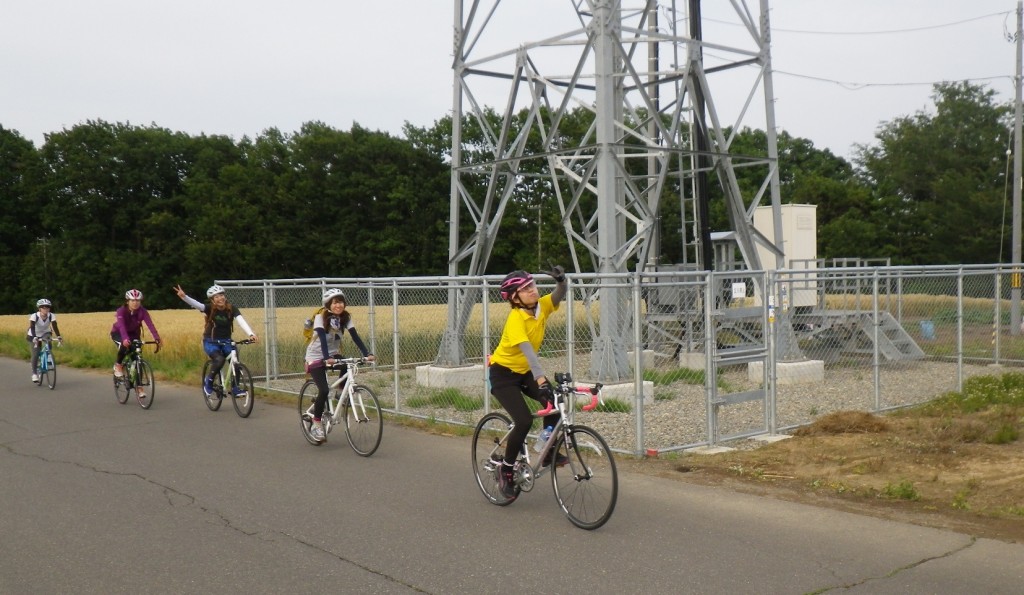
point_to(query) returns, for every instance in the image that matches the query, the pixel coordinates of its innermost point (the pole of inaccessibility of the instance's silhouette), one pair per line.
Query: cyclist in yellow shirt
(515, 368)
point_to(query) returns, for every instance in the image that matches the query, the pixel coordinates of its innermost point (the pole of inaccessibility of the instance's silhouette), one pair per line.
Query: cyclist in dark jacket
(217, 330)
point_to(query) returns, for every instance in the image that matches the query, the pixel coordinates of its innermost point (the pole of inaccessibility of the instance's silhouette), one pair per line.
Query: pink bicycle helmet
(133, 294)
(513, 282)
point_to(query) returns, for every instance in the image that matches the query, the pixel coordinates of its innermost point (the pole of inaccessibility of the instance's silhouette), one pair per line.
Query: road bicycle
(137, 378)
(46, 368)
(586, 486)
(232, 374)
(354, 404)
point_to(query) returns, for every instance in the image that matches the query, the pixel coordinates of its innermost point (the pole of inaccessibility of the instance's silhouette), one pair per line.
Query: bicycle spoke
(587, 487)
(363, 421)
(243, 402)
(213, 400)
(488, 451)
(307, 395)
(145, 385)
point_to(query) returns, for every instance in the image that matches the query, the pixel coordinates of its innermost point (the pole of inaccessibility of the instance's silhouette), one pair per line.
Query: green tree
(113, 206)
(20, 224)
(938, 179)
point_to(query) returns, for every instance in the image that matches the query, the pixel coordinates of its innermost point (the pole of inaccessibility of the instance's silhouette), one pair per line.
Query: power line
(892, 31)
(858, 86)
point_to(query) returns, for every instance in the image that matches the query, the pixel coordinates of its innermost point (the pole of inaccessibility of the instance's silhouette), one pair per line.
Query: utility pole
(1015, 280)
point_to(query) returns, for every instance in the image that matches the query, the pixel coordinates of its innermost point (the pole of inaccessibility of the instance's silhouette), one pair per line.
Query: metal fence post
(372, 315)
(394, 339)
(875, 350)
(638, 363)
(485, 301)
(269, 333)
(960, 329)
(771, 282)
(997, 318)
(709, 352)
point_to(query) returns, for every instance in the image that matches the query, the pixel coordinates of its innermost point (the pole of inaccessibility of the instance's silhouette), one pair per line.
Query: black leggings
(323, 388)
(509, 387)
(121, 349)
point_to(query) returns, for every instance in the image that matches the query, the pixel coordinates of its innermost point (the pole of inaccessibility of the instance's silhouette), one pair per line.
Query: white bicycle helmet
(43, 302)
(331, 294)
(214, 290)
(133, 294)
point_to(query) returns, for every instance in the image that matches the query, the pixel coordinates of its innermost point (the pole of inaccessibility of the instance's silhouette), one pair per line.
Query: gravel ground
(677, 415)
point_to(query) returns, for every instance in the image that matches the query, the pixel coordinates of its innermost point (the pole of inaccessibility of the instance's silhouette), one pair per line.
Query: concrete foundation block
(804, 372)
(692, 360)
(444, 377)
(709, 450)
(648, 357)
(622, 391)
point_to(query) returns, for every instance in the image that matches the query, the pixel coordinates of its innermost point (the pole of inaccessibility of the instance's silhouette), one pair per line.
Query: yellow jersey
(522, 326)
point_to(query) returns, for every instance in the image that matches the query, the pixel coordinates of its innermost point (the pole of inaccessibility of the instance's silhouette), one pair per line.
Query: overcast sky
(239, 67)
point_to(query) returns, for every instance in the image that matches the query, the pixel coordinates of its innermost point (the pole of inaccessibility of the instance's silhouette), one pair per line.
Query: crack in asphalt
(972, 540)
(170, 493)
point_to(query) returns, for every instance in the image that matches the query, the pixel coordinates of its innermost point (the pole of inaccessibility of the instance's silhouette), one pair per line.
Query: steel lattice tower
(657, 133)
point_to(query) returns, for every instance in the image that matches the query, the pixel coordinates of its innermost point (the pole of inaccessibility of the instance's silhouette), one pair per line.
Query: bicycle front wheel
(243, 401)
(307, 396)
(213, 399)
(145, 385)
(49, 376)
(121, 389)
(364, 424)
(588, 485)
(489, 440)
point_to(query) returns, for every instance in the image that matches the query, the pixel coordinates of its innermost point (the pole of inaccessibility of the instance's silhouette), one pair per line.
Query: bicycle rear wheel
(306, 398)
(243, 403)
(213, 400)
(488, 452)
(364, 424)
(145, 384)
(588, 485)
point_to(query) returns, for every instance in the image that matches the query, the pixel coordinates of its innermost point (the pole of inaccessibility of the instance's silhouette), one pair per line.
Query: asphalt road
(98, 497)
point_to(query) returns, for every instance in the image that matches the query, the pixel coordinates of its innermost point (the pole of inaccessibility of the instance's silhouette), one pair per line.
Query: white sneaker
(316, 430)
(35, 378)
(119, 370)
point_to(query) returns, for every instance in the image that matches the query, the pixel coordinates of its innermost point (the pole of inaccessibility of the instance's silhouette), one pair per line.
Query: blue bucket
(927, 330)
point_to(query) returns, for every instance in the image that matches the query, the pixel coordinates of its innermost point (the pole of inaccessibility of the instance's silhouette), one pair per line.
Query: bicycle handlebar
(565, 386)
(343, 362)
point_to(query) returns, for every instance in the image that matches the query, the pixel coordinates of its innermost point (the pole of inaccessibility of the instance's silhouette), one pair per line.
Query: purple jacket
(127, 324)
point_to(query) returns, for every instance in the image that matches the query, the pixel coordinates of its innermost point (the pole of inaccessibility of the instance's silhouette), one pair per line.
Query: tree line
(101, 207)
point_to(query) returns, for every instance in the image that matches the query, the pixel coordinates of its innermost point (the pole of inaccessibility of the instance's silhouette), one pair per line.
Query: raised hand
(557, 273)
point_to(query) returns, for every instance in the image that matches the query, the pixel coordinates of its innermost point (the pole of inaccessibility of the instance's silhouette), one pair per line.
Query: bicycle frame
(564, 393)
(134, 356)
(582, 468)
(46, 367)
(233, 375)
(138, 376)
(230, 364)
(335, 397)
(45, 351)
(355, 407)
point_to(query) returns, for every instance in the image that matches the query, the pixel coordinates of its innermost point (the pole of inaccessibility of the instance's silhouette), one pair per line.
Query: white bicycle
(354, 404)
(234, 375)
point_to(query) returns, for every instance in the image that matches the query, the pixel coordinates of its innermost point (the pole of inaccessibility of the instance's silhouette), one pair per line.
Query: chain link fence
(687, 358)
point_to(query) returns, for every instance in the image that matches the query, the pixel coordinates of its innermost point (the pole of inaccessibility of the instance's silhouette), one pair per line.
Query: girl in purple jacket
(128, 326)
